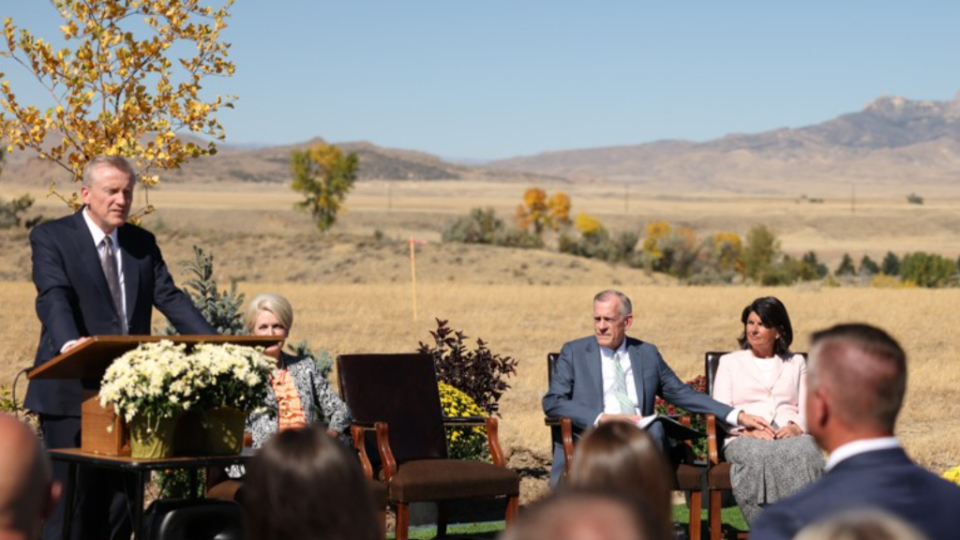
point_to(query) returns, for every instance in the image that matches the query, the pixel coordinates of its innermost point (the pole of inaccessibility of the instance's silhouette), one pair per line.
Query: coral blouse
(289, 409)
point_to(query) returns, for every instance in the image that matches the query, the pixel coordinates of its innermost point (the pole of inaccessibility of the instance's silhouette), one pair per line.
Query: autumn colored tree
(669, 249)
(129, 84)
(653, 232)
(726, 251)
(588, 225)
(324, 176)
(559, 207)
(541, 212)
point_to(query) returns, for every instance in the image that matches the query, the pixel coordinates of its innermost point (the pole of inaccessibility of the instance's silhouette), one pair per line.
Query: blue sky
(496, 79)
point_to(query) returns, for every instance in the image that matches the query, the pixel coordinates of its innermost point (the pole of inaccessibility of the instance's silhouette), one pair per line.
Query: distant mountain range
(272, 164)
(891, 142)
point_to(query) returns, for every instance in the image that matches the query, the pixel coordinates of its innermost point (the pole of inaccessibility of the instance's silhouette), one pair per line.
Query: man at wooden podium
(96, 275)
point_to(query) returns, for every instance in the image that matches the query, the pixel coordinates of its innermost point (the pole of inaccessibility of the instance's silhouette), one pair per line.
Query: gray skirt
(763, 472)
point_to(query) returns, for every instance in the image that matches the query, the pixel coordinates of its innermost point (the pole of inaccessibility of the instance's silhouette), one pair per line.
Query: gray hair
(626, 306)
(117, 162)
(274, 303)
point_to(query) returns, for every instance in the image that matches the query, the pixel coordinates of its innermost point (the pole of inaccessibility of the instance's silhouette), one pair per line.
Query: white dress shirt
(611, 405)
(98, 236)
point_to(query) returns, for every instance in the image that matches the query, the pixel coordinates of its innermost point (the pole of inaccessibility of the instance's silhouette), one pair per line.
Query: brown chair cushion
(719, 477)
(225, 491)
(689, 478)
(442, 479)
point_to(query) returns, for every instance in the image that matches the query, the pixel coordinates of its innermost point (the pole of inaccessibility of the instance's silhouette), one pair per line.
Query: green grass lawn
(731, 517)
(476, 530)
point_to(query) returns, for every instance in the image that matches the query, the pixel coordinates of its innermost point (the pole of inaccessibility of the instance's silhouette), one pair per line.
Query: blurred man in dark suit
(856, 380)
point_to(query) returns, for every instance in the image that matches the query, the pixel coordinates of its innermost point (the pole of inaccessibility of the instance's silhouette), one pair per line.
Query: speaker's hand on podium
(73, 343)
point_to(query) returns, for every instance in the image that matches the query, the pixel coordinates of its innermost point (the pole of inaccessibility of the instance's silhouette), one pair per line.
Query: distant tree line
(720, 257)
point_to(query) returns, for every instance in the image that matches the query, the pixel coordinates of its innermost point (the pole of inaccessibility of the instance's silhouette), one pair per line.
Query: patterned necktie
(109, 263)
(620, 387)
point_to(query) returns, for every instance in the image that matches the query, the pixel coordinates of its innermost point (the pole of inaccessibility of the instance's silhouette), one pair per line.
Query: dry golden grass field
(352, 292)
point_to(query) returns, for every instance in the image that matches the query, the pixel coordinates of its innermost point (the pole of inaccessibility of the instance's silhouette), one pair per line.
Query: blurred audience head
(28, 493)
(582, 514)
(861, 525)
(621, 457)
(856, 382)
(303, 485)
(772, 314)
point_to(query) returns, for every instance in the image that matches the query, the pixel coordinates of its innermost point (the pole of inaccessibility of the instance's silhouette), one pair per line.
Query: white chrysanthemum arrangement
(232, 375)
(161, 379)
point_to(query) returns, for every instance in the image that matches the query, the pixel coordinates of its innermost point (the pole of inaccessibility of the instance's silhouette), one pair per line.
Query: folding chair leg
(403, 520)
(513, 509)
(696, 503)
(441, 519)
(715, 512)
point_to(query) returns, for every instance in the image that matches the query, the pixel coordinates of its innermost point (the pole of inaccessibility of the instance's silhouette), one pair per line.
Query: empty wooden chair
(398, 421)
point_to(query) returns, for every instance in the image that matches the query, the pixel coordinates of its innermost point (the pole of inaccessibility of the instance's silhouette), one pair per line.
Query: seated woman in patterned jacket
(299, 394)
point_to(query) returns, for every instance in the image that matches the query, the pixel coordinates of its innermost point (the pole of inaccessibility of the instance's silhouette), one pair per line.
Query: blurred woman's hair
(274, 303)
(867, 524)
(575, 513)
(622, 458)
(303, 485)
(773, 314)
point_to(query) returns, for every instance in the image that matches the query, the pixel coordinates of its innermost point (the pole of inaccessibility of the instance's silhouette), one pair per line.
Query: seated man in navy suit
(856, 380)
(612, 377)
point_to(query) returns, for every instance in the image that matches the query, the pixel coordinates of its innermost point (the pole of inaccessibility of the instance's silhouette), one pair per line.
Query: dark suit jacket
(884, 479)
(576, 387)
(73, 299)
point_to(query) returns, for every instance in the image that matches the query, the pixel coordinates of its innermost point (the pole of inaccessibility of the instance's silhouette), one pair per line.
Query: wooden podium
(101, 430)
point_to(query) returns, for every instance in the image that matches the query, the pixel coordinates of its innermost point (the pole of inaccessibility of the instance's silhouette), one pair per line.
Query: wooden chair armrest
(566, 436)
(493, 440)
(386, 454)
(713, 450)
(686, 421)
(493, 437)
(247, 439)
(359, 442)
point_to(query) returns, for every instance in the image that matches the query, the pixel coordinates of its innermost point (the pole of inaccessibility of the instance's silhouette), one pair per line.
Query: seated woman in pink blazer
(767, 380)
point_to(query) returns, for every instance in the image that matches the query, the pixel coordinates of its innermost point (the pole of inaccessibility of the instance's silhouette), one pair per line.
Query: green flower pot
(223, 431)
(151, 436)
